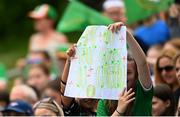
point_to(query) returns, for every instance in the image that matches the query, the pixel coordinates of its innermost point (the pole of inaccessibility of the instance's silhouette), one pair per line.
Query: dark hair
(42, 67)
(43, 52)
(54, 85)
(164, 93)
(4, 96)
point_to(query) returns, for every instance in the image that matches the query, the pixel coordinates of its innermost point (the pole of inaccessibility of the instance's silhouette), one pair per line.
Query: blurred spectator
(43, 57)
(25, 93)
(153, 31)
(152, 54)
(47, 107)
(165, 72)
(53, 90)
(173, 44)
(46, 38)
(18, 108)
(163, 101)
(4, 99)
(174, 19)
(38, 76)
(19, 81)
(115, 10)
(38, 57)
(19, 68)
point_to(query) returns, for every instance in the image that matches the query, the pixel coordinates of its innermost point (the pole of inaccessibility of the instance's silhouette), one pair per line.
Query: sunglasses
(166, 68)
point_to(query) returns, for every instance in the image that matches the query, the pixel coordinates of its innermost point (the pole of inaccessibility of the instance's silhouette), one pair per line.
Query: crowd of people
(153, 69)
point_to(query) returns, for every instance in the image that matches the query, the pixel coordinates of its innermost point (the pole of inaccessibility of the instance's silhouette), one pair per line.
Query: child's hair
(164, 93)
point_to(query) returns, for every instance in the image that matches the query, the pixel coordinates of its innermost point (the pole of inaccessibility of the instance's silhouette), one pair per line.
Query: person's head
(47, 107)
(164, 68)
(132, 74)
(163, 103)
(23, 92)
(44, 17)
(177, 66)
(52, 91)
(115, 10)
(38, 76)
(18, 108)
(173, 44)
(153, 53)
(39, 57)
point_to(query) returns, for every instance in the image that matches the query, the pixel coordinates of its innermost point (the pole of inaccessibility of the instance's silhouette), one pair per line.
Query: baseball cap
(19, 106)
(43, 11)
(113, 3)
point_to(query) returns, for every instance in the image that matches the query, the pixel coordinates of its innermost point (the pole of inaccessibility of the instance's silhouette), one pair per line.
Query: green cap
(44, 11)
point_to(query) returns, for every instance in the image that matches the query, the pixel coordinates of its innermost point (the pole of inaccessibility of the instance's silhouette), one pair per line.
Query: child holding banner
(138, 78)
(128, 105)
(85, 107)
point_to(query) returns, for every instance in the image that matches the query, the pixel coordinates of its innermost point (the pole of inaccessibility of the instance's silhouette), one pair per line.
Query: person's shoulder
(60, 37)
(35, 37)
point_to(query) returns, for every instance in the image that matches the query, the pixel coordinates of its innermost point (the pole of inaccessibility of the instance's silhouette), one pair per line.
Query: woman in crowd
(163, 101)
(165, 72)
(38, 76)
(138, 79)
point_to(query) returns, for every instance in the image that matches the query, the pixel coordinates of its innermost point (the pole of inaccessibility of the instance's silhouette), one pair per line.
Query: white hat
(113, 3)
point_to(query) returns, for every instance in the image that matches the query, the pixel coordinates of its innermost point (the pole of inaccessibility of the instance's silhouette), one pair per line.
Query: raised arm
(66, 101)
(138, 55)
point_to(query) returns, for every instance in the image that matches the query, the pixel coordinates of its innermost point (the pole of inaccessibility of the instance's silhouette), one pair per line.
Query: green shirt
(142, 104)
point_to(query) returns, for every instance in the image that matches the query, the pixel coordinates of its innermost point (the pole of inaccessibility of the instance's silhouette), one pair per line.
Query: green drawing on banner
(91, 90)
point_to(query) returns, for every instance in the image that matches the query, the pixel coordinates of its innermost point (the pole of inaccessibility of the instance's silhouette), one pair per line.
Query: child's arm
(66, 101)
(140, 59)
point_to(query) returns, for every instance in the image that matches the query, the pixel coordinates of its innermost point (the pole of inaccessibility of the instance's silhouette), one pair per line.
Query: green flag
(77, 16)
(141, 9)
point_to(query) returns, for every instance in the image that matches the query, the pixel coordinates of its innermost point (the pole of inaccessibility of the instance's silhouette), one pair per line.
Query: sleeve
(101, 109)
(143, 99)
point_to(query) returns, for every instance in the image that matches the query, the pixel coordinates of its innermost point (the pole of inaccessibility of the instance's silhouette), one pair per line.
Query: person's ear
(167, 103)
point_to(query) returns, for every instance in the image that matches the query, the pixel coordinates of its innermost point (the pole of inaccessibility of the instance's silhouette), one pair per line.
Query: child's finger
(130, 100)
(130, 96)
(128, 92)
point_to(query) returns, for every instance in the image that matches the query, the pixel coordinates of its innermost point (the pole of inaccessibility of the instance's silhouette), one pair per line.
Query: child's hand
(71, 51)
(124, 99)
(115, 27)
